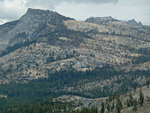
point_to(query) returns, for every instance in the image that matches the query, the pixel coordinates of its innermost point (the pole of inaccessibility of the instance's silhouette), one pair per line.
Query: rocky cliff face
(43, 40)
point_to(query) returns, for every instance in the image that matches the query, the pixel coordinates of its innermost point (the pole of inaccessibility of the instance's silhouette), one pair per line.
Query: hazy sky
(79, 9)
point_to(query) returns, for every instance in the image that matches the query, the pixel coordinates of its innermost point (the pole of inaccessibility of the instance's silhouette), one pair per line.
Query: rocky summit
(42, 41)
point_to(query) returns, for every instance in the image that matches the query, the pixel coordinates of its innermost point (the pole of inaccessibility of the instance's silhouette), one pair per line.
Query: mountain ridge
(76, 41)
(47, 54)
(109, 19)
(40, 45)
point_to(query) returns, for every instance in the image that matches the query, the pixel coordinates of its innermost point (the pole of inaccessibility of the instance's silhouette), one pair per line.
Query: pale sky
(79, 9)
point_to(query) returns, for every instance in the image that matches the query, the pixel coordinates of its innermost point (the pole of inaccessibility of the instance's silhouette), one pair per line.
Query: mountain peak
(30, 10)
(100, 20)
(40, 12)
(134, 22)
(43, 15)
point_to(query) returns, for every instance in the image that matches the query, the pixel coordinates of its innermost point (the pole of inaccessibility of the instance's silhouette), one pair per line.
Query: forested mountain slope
(46, 54)
(43, 40)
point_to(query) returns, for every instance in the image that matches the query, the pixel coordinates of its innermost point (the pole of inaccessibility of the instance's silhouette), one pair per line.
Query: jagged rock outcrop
(101, 20)
(133, 22)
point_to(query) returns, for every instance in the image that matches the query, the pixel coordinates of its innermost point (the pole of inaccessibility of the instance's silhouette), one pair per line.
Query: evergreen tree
(147, 83)
(135, 104)
(118, 109)
(135, 86)
(94, 110)
(131, 99)
(112, 107)
(141, 98)
(110, 97)
(118, 105)
(85, 110)
(108, 107)
(128, 103)
(102, 107)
